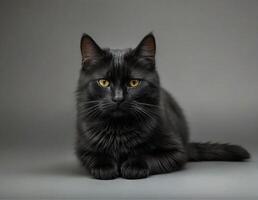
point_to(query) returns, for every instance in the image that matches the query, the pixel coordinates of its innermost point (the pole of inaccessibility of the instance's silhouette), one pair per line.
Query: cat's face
(117, 83)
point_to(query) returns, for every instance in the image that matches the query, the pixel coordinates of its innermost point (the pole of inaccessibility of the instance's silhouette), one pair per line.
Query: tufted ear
(147, 47)
(89, 49)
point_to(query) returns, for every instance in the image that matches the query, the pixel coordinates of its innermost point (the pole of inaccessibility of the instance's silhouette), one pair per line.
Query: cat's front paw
(104, 171)
(135, 169)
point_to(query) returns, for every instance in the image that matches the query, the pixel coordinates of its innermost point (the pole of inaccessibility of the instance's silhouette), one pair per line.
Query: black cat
(127, 124)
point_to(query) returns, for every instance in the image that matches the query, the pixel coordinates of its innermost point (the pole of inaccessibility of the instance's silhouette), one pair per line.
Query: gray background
(207, 56)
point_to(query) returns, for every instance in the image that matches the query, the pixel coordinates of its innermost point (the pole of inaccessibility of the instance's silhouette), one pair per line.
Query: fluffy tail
(216, 152)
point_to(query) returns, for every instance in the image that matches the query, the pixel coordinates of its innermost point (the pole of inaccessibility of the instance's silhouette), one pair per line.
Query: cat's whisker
(88, 102)
(89, 109)
(137, 114)
(142, 111)
(147, 104)
(148, 109)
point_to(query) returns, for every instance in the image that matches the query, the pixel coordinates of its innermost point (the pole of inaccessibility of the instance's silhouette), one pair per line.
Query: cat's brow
(137, 74)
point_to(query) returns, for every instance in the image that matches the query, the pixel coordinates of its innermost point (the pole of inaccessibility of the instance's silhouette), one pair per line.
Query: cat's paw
(104, 171)
(135, 169)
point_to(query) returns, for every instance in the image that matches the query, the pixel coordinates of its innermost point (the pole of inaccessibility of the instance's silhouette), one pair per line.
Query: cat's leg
(166, 160)
(157, 162)
(135, 168)
(100, 166)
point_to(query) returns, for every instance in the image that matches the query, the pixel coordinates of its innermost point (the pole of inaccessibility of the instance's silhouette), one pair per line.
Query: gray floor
(34, 174)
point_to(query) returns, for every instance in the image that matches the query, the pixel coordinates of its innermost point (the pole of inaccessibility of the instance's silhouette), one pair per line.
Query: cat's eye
(103, 83)
(134, 83)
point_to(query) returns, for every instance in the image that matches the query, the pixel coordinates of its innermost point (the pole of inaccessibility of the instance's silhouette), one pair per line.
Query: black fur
(143, 133)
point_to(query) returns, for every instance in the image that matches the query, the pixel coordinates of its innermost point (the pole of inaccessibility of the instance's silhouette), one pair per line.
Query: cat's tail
(216, 152)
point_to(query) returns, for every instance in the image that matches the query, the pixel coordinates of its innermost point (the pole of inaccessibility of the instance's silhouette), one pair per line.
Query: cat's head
(118, 83)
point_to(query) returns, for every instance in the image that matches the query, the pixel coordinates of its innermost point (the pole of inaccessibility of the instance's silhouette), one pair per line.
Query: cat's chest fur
(113, 138)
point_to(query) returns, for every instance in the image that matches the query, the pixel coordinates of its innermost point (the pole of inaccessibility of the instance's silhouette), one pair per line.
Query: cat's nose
(118, 96)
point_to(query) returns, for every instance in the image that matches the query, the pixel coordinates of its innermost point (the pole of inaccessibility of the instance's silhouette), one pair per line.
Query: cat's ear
(147, 47)
(90, 51)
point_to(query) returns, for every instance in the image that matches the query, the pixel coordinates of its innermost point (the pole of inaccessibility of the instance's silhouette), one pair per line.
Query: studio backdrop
(207, 57)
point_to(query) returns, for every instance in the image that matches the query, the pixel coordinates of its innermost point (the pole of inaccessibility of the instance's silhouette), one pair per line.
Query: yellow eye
(134, 83)
(103, 83)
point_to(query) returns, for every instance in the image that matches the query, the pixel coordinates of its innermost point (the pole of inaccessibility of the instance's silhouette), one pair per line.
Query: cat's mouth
(118, 111)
